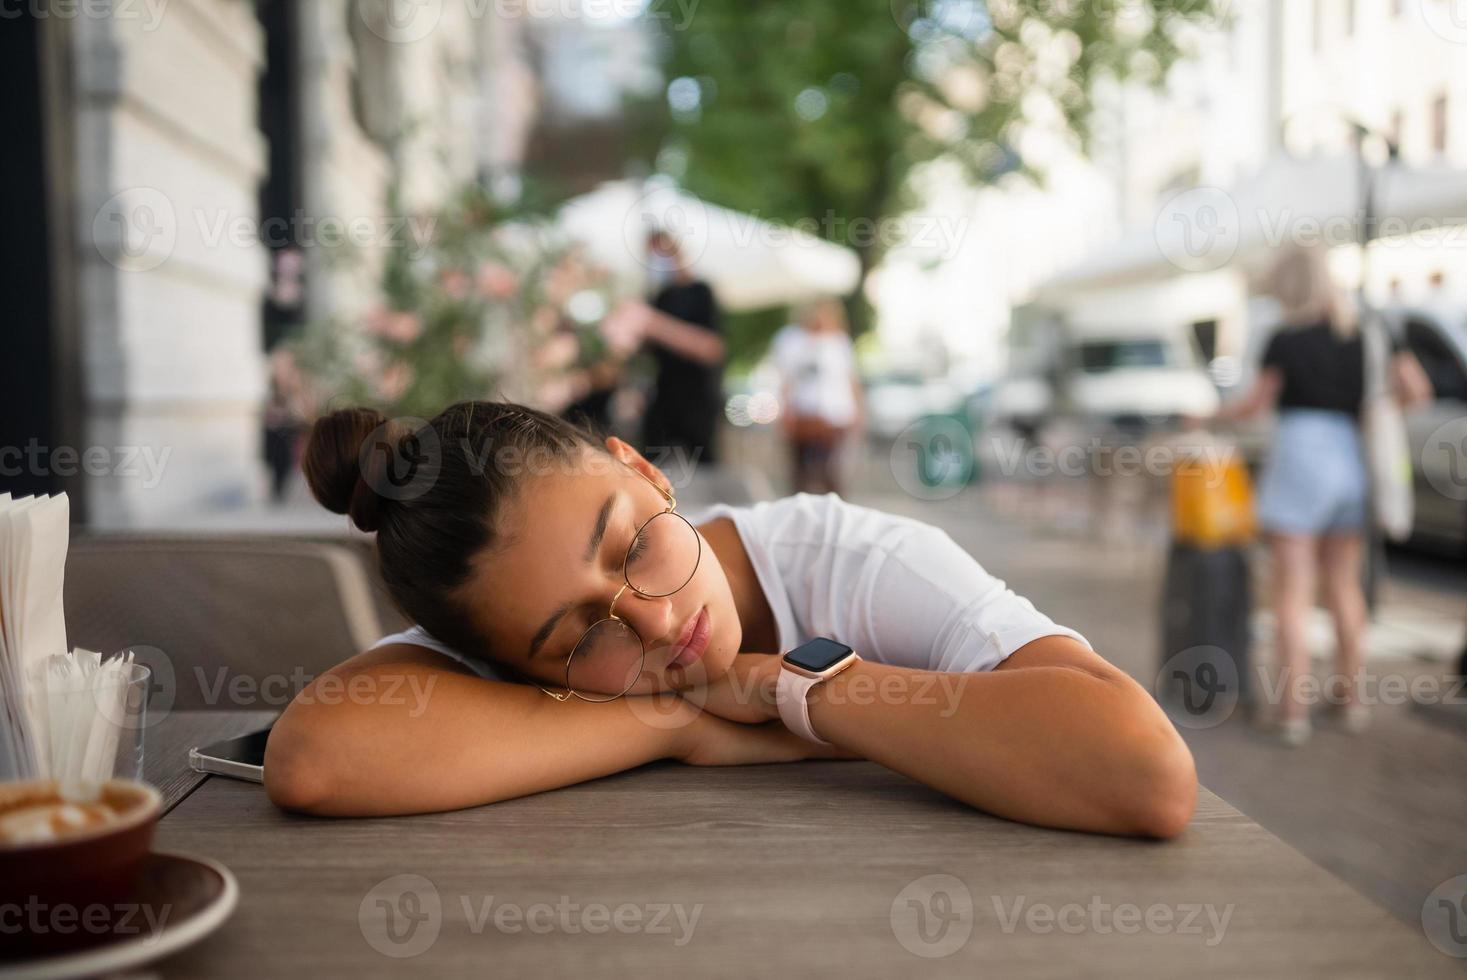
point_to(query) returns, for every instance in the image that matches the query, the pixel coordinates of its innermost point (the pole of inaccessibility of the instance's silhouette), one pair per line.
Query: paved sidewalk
(1383, 810)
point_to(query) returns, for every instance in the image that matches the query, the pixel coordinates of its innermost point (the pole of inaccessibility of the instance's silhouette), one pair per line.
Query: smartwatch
(801, 669)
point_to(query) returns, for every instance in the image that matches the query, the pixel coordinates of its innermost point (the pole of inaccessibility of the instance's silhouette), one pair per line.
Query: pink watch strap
(790, 691)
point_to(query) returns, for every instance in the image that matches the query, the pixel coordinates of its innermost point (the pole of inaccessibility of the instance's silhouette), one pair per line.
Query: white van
(1128, 377)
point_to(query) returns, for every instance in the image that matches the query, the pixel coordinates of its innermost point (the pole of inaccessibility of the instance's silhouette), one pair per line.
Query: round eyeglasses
(662, 558)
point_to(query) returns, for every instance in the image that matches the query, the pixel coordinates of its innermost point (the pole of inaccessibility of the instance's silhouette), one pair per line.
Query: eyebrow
(593, 545)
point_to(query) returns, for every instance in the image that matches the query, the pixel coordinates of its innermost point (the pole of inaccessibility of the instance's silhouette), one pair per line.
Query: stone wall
(170, 273)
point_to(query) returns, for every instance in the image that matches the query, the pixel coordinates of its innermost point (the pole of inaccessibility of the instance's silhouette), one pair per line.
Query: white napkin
(34, 537)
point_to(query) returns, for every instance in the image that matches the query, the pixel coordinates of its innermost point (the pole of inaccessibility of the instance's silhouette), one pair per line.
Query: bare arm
(692, 342)
(394, 731)
(1409, 382)
(1262, 395)
(1055, 735)
(786, 413)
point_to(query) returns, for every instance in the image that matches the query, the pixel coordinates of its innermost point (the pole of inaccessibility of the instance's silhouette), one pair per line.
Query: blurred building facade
(212, 172)
(1259, 131)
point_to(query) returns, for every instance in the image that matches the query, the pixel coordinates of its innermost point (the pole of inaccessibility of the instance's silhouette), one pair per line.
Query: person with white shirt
(822, 406)
(570, 622)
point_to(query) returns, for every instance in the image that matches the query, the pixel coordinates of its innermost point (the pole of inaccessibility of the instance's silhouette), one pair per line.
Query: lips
(692, 641)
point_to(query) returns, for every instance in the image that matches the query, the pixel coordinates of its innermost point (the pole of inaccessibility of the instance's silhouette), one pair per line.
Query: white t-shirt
(897, 590)
(819, 368)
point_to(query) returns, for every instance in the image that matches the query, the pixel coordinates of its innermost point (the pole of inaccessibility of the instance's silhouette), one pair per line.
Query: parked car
(1117, 382)
(1135, 382)
(1438, 431)
(896, 400)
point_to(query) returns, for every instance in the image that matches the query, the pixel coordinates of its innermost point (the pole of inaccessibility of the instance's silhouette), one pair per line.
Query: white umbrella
(751, 263)
(1208, 228)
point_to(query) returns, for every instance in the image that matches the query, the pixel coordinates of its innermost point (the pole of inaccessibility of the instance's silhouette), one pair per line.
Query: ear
(623, 451)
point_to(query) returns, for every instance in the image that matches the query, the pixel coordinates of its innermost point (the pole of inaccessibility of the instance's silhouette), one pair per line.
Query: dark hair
(431, 492)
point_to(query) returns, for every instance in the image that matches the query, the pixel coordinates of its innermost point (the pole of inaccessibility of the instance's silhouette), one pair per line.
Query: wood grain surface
(814, 869)
(166, 746)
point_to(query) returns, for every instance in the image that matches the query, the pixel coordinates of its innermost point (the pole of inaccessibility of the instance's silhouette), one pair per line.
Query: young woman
(570, 623)
(1313, 491)
(816, 362)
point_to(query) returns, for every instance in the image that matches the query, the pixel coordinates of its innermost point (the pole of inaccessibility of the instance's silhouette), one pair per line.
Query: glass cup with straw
(96, 711)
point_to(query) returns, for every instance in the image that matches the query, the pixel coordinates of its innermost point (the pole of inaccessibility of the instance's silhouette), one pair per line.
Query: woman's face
(564, 538)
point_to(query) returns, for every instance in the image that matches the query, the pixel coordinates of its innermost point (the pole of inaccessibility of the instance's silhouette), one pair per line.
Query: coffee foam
(43, 822)
(36, 813)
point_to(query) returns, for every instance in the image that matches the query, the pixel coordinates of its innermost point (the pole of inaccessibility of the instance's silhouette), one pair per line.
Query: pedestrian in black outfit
(682, 330)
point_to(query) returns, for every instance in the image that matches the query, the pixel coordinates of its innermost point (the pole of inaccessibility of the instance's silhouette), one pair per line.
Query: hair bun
(332, 464)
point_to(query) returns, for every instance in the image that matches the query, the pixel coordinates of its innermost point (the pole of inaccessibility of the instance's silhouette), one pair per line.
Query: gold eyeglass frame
(611, 615)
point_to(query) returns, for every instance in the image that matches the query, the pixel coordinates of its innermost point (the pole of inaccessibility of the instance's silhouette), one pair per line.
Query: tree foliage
(819, 109)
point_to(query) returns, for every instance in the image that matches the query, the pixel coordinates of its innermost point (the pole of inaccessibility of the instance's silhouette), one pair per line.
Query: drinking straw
(87, 699)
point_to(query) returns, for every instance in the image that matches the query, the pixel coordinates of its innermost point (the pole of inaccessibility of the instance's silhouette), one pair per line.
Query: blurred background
(992, 264)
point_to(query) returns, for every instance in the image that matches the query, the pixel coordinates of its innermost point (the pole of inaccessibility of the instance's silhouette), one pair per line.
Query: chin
(719, 659)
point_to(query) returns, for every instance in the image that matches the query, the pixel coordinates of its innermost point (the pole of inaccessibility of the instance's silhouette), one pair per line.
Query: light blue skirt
(1314, 481)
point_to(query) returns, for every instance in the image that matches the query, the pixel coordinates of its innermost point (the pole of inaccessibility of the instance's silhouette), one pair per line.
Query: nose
(651, 617)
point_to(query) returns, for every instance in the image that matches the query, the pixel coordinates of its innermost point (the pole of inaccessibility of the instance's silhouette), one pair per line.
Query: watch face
(817, 655)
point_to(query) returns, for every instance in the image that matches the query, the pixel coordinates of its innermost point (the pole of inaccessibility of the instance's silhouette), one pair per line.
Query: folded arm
(1054, 736)
(395, 731)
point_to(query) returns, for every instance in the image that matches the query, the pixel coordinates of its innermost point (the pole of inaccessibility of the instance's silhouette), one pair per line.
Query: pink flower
(395, 381)
(566, 277)
(366, 362)
(376, 322)
(558, 352)
(544, 319)
(401, 326)
(497, 281)
(554, 394)
(456, 283)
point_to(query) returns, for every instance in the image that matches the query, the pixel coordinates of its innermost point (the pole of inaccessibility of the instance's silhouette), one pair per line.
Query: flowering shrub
(494, 304)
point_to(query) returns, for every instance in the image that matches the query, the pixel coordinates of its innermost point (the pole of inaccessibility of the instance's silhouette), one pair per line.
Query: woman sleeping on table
(571, 622)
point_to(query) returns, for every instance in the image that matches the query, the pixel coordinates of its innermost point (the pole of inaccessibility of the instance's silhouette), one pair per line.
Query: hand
(746, 693)
(715, 741)
(626, 325)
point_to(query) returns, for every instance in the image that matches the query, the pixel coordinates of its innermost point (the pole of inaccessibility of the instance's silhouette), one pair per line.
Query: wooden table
(166, 745)
(816, 869)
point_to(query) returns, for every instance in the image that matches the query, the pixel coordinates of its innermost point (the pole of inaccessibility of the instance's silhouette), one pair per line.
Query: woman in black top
(1313, 490)
(683, 330)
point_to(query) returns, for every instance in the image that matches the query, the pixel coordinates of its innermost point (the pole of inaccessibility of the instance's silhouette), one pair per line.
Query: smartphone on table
(239, 758)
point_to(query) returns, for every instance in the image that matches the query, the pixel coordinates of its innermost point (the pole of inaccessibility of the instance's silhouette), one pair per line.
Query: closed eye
(576, 627)
(639, 546)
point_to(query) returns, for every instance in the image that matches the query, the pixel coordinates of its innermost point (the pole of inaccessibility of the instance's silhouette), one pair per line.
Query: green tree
(818, 109)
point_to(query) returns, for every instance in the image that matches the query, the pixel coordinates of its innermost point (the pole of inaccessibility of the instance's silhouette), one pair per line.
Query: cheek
(713, 585)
